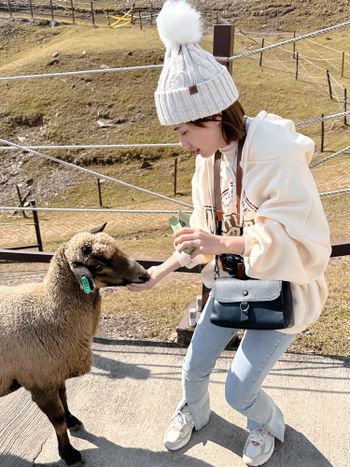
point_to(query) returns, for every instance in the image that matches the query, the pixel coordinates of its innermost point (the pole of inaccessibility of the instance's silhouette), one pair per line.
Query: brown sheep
(46, 328)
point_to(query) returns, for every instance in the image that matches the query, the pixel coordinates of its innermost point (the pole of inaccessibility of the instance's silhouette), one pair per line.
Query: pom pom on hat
(192, 84)
(178, 24)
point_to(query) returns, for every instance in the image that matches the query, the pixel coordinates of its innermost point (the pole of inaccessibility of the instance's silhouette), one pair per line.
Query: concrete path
(127, 399)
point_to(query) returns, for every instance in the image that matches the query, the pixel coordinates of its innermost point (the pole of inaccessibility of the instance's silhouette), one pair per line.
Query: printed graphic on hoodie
(230, 225)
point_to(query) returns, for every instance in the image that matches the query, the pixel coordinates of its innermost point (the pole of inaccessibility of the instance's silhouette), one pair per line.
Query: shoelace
(180, 420)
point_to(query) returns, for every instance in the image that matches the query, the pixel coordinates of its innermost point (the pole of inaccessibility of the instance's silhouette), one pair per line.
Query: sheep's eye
(98, 267)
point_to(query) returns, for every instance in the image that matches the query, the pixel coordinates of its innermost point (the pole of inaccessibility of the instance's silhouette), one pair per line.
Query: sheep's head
(97, 257)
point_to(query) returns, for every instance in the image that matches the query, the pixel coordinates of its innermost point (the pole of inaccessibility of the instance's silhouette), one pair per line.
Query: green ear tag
(86, 284)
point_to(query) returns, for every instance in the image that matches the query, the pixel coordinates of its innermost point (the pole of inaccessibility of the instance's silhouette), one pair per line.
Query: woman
(285, 235)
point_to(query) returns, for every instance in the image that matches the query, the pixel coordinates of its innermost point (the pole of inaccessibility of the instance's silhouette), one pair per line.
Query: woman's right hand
(156, 275)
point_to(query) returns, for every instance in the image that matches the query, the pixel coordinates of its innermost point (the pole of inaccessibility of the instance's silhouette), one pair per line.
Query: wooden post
(322, 134)
(19, 195)
(294, 35)
(21, 201)
(92, 14)
(223, 42)
(345, 106)
(72, 8)
(140, 18)
(37, 226)
(297, 65)
(233, 40)
(9, 8)
(132, 13)
(261, 53)
(31, 9)
(342, 64)
(329, 84)
(175, 175)
(99, 193)
(52, 14)
(108, 19)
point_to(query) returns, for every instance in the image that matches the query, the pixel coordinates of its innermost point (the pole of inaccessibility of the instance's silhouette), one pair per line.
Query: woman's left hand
(204, 242)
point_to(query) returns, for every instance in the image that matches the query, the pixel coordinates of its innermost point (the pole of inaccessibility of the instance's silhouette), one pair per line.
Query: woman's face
(203, 140)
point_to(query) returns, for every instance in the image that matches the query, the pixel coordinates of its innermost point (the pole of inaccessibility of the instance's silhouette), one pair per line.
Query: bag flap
(230, 290)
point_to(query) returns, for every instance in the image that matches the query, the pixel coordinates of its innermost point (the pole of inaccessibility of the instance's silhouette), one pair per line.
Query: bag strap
(217, 188)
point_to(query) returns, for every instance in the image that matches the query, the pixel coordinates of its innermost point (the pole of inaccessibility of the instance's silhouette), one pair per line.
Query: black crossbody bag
(242, 302)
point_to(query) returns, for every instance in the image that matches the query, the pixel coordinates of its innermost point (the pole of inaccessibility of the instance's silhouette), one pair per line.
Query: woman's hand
(206, 243)
(156, 275)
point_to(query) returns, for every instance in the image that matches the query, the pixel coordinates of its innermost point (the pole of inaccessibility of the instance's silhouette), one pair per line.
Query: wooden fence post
(92, 14)
(132, 14)
(175, 175)
(73, 13)
(31, 10)
(99, 193)
(322, 133)
(297, 65)
(140, 18)
(233, 39)
(108, 19)
(329, 84)
(223, 42)
(52, 14)
(294, 35)
(345, 106)
(342, 64)
(261, 53)
(9, 8)
(37, 226)
(21, 201)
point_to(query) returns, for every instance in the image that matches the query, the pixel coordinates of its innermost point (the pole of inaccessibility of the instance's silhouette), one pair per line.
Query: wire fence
(131, 225)
(79, 12)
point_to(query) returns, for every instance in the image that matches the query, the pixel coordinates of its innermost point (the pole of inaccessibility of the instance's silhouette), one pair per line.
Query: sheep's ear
(98, 229)
(84, 277)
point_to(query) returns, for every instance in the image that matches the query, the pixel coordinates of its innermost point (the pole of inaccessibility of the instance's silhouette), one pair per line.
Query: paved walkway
(127, 399)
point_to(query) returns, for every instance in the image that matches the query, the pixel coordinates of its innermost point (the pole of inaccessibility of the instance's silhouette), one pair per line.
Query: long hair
(232, 122)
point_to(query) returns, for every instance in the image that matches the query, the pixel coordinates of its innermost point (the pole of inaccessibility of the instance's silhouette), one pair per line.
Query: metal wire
(93, 172)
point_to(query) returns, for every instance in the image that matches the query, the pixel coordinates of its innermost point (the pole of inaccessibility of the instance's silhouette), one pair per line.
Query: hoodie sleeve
(289, 239)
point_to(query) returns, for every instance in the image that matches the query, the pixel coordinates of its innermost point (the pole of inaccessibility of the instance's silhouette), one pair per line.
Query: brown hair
(232, 119)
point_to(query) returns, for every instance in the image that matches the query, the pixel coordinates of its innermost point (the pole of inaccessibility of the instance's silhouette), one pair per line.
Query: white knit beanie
(192, 84)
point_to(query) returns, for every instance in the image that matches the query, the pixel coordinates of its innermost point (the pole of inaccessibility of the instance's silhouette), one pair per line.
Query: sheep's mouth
(126, 282)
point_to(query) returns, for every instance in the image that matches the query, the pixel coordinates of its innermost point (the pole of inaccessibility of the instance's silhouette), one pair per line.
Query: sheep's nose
(143, 276)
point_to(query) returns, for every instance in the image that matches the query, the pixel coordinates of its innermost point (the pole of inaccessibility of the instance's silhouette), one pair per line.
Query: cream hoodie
(285, 229)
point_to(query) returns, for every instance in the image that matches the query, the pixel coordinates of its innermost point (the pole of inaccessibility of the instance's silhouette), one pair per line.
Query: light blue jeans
(255, 357)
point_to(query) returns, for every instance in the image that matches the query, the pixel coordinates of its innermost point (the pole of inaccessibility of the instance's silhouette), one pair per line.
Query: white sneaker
(259, 447)
(179, 430)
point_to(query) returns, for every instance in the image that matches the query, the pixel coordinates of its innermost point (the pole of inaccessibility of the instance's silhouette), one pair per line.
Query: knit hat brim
(209, 98)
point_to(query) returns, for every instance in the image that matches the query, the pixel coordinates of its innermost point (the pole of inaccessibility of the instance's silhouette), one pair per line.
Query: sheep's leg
(73, 423)
(12, 387)
(50, 403)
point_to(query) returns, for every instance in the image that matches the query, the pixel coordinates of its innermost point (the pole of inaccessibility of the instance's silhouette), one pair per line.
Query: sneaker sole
(176, 446)
(262, 462)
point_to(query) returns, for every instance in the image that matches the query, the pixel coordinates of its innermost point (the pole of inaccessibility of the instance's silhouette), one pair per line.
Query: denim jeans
(255, 357)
